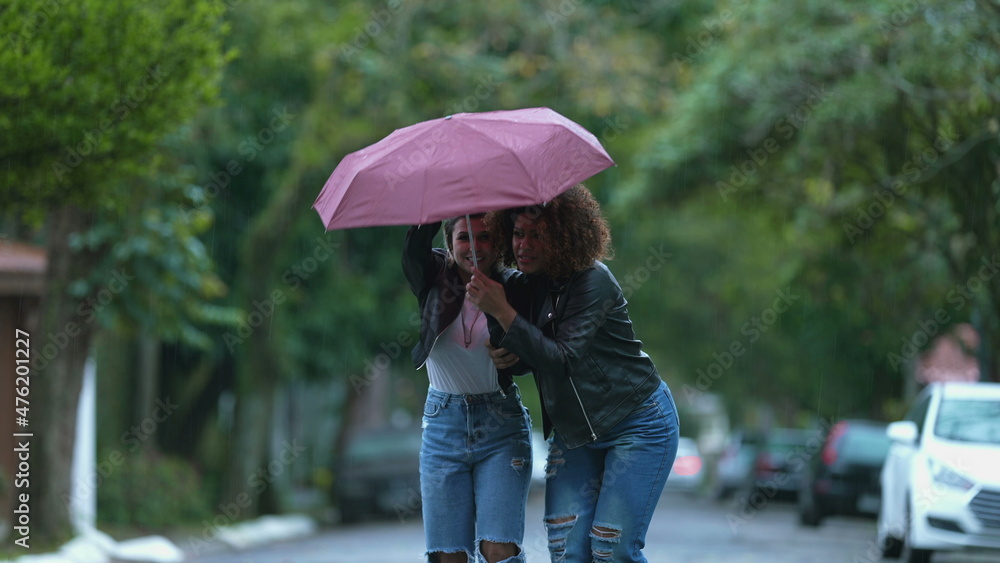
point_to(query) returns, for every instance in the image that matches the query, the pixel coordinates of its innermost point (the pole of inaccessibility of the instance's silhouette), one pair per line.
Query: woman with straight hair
(475, 455)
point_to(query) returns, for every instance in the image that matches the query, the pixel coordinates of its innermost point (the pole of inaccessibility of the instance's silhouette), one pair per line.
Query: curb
(250, 534)
(95, 546)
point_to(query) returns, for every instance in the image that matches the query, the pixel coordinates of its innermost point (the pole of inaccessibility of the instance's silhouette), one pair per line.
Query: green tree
(869, 129)
(91, 89)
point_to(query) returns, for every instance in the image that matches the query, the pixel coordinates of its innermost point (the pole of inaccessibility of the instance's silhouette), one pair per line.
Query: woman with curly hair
(610, 419)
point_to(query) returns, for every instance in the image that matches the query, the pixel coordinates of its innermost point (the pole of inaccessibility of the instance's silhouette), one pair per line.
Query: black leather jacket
(589, 367)
(440, 292)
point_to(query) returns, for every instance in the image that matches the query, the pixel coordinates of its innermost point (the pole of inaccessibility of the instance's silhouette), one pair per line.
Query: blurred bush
(152, 491)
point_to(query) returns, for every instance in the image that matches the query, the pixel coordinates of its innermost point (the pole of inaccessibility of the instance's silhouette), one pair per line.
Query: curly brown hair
(573, 225)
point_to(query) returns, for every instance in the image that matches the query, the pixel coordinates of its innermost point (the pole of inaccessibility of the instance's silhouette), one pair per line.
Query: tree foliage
(869, 130)
(91, 89)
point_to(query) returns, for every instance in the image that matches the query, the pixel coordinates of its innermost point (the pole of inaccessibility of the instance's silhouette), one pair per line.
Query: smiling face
(461, 247)
(529, 244)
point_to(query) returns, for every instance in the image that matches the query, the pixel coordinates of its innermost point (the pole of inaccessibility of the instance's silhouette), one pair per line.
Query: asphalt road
(685, 529)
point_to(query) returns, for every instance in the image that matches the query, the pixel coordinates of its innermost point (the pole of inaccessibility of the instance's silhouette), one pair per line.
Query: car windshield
(382, 445)
(866, 445)
(969, 420)
(782, 441)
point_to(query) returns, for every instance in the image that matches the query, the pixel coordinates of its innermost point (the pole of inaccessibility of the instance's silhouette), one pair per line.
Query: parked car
(780, 462)
(379, 475)
(688, 470)
(941, 478)
(734, 467)
(844, 478)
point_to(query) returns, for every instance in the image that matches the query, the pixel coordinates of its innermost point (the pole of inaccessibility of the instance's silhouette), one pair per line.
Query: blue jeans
(475, 469)
(600, 497)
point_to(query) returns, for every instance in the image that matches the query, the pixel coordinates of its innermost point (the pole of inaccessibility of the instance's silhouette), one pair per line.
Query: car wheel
(349, 517)
(354, 512)
(809, 514)
(919, 556)
(891, 548)
(914, 555)
(890, 545)
(809, 517)
(722, 493)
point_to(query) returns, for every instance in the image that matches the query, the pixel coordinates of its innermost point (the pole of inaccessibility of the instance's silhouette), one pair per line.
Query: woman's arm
(590, 297)
(491, 296)
(517, 288)
(419, 264)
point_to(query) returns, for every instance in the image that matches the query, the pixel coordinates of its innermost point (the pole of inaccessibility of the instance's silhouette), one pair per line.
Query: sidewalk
(95, 546)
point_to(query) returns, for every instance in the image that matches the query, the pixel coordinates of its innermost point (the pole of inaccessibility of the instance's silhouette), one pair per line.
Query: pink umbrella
(460, 164)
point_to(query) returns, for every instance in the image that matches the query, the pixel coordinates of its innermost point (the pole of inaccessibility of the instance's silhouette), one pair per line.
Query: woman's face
(530, 245)
(461, 246)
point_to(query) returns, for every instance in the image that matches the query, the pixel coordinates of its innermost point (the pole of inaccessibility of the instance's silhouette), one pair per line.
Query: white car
(941, 478)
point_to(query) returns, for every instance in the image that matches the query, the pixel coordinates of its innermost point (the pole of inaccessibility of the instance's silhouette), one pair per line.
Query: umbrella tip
(447, 117)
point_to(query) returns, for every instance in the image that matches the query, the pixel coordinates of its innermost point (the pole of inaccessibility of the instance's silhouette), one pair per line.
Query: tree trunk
(252, 470)
(114, 354)
(196, 391)
(147, 384)
(365, 407)
(60, 351)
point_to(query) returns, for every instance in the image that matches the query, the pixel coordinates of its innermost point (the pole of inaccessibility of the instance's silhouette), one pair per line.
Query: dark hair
(448, 226)
(574, 227)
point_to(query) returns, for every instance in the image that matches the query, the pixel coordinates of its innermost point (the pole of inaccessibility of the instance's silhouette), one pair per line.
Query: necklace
(467, 332)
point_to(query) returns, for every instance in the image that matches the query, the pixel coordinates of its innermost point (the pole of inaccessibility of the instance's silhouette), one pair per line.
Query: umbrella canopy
(460, 164)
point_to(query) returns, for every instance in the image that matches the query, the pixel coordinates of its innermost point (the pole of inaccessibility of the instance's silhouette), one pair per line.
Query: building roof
(951, 357)
(22, 268)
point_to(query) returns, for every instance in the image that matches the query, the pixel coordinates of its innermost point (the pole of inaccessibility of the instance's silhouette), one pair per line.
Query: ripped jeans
(475, 470)
(600, 497)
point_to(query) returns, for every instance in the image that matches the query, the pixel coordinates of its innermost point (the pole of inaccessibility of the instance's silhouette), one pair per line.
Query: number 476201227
(22, 385)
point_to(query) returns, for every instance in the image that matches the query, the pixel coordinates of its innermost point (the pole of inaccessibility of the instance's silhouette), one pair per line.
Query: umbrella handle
(472, 241)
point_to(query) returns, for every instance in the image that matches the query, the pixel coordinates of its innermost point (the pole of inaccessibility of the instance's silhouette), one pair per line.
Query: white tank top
(453, 367)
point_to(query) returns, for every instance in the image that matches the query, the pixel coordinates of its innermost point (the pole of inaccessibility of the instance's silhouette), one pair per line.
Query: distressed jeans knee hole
(558, 528)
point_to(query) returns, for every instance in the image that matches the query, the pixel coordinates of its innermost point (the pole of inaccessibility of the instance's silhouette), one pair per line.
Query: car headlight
(945, 475)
